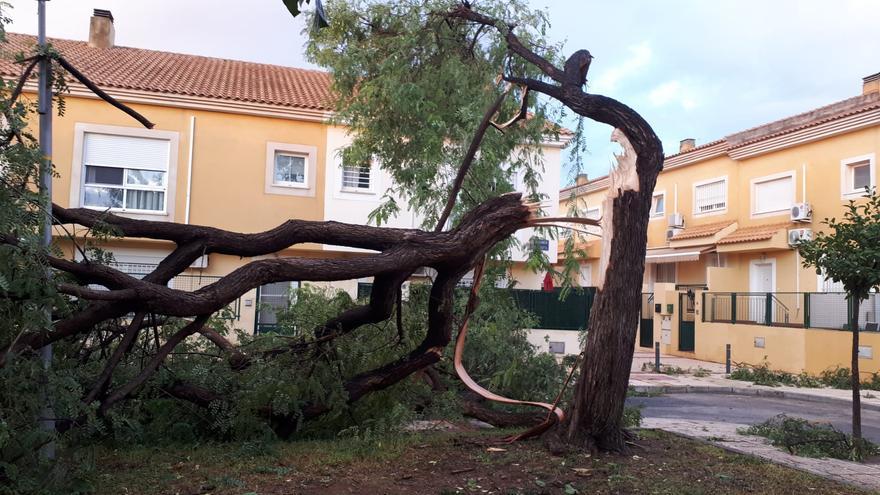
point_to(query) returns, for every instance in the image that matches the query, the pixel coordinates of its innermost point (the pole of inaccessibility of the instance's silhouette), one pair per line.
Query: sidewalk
(715, 382)
(725, 436)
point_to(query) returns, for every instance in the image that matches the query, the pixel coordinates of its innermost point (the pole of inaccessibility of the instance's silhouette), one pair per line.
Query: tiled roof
(817, 116)
(698, 231)
(190, 75)
(753, 233)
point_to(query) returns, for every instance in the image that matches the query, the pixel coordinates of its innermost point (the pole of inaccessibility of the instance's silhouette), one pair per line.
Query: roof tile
(190, 75)
(753, 233)
(698, 231)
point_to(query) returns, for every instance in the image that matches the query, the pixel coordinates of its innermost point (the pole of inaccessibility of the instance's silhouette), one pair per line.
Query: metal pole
(657, 357)
(47, 422)
(727, 361)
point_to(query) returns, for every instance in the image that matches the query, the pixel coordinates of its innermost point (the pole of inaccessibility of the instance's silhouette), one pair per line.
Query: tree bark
(856, 381)
(596, 414)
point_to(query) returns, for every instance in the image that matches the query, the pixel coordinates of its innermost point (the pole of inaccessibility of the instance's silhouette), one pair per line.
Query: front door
(686, 323)
(761, 281)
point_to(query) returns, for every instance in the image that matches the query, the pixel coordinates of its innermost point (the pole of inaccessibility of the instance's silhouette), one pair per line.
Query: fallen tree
(596, 413)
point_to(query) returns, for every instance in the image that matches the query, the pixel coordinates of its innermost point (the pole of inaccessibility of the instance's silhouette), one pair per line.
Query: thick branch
(468, 160)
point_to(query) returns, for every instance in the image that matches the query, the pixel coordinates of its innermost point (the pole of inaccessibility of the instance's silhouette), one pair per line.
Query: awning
(674, 255)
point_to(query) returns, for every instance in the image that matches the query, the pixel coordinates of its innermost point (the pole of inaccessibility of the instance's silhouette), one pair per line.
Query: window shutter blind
(126, 151)
(774, 195)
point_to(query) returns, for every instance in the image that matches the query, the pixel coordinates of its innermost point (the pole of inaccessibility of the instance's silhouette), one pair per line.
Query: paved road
(750, 409)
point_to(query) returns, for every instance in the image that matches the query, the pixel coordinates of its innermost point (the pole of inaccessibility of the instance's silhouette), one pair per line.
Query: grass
(451, 463)
(762, 374)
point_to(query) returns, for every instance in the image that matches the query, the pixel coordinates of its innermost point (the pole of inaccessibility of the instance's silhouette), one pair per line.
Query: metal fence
(188, 283)
(829, 310)
(571, 313)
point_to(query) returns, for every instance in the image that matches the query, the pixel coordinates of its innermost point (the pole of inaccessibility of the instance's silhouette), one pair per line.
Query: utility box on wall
(666, 330)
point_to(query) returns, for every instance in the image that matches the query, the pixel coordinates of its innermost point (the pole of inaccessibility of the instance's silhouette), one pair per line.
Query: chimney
(687, 145)
(871, 84)
(581, 179)
(101, 31)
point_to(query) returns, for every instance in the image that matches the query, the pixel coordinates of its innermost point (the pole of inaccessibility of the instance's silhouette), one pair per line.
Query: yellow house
(724, 220)
(236, 145)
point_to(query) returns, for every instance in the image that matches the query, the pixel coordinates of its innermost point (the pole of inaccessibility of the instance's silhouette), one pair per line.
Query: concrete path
(712, 407)
(725, 435)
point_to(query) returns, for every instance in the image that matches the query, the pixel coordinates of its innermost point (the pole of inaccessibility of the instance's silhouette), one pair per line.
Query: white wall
(549, 186)
(355, 207)
(541, 339)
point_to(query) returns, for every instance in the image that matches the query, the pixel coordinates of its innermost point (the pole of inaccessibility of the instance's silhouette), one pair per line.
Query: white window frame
(846, 165)
(768, 178)
(655, 215)
(77, 171)
(720, 211)
(309, 153)
(358, 190)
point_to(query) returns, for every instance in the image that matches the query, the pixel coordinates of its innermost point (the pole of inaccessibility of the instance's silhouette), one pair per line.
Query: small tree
(850, 254)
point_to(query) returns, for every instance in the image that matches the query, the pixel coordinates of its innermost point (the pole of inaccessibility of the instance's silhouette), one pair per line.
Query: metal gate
(686, 321)
(646, 325)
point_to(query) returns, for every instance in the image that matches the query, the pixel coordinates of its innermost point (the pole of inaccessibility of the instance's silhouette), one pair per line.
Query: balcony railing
(829, 310)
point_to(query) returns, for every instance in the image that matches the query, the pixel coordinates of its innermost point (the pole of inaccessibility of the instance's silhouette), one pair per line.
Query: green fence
(828, 310)
(571, 313)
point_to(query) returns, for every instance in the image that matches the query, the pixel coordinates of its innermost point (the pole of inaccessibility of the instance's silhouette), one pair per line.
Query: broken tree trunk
(596, 414)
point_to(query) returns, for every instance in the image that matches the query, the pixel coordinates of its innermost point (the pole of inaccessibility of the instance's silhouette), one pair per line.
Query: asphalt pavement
(753, 409)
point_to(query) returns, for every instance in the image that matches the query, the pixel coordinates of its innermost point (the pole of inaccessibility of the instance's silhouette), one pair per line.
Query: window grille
(356, 177)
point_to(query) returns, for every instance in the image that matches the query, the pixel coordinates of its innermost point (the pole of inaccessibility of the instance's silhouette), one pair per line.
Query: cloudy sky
(693, 68)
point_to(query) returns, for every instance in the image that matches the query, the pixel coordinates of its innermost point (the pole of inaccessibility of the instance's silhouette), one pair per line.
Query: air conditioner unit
(796, 236)
(671, 232)
(801, 212)
(676, 220)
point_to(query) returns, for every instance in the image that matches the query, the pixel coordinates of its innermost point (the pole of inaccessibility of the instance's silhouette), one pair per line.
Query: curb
(782, 394)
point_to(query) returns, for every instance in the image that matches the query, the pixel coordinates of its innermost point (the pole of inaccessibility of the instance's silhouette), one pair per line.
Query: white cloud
(672, 92)
(608, 80)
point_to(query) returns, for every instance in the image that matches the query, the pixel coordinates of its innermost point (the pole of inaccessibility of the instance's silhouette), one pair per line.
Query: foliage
(762, 374)
(850, 252)
(807, 438)
(412, 87)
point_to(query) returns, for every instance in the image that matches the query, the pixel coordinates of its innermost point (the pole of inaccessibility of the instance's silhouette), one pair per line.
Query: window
(773, 194)
(664, 273)
(272, 299)
(124, 173)
(658, 205)
(557, 347)
(355, 177)
(290, 170)
(710, 196)
(856, 174)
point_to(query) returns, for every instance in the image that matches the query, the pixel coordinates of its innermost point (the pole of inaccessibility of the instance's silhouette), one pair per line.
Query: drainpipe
(189, 166)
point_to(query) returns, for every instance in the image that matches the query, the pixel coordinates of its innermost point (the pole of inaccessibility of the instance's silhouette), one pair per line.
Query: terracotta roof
(812, 118)
(180, 74)
(698, 231)
(753, 233)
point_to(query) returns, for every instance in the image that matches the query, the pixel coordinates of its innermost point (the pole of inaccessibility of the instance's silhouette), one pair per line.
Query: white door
(586, 275)
(762, 279)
